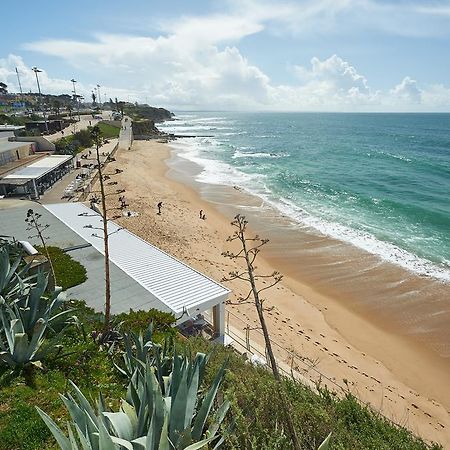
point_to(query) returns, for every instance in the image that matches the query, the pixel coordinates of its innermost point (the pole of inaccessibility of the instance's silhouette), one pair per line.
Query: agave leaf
(76, 413)
(178, 410)
(21, 351)
(121, 424)
(199, 444)
(159, 410)
(7, 271)
(207, 403)
(218, 418)
(131, 413)
(325, 445)
(164, 438)
(191, 400)
(85, 405)
(60, 437)
(123, 443)
(85, 443)
(72, 439)
(105, 441)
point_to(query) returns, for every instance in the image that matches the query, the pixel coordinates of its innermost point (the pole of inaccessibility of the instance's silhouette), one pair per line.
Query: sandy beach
(338, 335)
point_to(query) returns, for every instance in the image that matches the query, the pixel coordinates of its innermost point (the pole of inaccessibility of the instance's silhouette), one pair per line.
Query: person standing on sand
(201, 213)
(159, 207)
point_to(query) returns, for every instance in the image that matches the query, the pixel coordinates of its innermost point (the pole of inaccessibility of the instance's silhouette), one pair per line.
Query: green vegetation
(136, 321)
(109, 131)
(258, 412)
(167, 406)
(75, 143)
(12, 120)
(68, 272)
(31, 321)
(137, 369)
(137, 112)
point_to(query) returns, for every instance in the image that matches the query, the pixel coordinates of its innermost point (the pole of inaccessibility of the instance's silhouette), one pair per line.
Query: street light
(76, 97)
(99, 98)
(36, 71)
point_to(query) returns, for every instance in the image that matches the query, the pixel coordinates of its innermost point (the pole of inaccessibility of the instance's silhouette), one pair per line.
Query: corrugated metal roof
(175, 284)
(40, 168)
(7, 146)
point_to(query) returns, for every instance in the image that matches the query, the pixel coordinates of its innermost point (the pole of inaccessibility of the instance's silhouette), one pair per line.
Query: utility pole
(99, 98)
(36, 71)
(20, 85)
(76, 97)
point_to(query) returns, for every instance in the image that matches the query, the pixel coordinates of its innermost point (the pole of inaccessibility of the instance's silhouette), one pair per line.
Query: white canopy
(173, 285)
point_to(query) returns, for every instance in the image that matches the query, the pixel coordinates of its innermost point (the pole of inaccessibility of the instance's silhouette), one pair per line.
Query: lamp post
(76, 97)
(99, 98)
(36, 71)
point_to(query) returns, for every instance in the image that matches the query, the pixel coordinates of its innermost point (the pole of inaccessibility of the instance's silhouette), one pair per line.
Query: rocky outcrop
(149, 112)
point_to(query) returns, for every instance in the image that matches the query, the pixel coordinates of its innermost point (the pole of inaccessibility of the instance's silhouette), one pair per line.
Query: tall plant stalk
(34, 223)
(249, 253)
(98, 140)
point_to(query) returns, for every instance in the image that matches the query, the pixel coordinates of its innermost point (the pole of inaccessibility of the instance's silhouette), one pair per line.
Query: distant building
(9, 131)
(41, 127)
(14, 151)
(34, 179)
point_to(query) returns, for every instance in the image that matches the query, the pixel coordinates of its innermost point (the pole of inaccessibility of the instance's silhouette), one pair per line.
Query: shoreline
(305, 320)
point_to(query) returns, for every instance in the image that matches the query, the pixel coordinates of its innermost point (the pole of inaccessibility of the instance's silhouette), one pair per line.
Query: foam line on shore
(219, 172)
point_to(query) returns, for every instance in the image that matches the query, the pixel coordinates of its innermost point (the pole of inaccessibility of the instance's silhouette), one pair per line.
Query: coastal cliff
(152, 113)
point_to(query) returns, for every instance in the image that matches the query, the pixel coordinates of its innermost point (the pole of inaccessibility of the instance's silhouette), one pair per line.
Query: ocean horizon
(378, 181)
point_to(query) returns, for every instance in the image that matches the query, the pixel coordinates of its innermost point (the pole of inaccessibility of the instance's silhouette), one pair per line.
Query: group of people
(123, 201)
(202, 215)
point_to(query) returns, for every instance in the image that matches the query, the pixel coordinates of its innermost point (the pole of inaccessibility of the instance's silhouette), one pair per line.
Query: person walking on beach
(159, 205)
(201, 213)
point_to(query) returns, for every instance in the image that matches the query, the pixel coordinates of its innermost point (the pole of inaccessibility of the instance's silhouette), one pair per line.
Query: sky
(257, 55)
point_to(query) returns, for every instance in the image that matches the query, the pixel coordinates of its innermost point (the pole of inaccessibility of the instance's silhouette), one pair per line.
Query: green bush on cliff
(68, 272)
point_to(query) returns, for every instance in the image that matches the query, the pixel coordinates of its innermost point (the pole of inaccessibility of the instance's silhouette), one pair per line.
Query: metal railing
(248, 338)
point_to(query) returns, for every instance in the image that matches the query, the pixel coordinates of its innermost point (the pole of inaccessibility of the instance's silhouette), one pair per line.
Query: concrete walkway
(85, 122)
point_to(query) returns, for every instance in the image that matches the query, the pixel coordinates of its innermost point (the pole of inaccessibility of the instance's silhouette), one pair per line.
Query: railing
(248, 338)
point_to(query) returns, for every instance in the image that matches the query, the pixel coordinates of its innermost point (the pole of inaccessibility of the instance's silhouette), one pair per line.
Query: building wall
(43, 144)
(17, 153)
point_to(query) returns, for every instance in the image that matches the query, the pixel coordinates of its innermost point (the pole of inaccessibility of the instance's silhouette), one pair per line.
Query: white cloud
(338, 73)
(48, 84)
(407, 91)
(195, 62)
(215, 79)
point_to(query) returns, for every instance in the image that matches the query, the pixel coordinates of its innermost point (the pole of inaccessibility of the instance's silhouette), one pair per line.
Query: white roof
(11, 127)
(39, 168)
(173, 284)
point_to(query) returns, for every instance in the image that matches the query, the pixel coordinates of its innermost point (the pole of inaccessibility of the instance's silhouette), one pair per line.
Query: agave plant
(11, 272)
(140, 350)
(159, 412)
(17, 348)
(32, 303)
(26, 313)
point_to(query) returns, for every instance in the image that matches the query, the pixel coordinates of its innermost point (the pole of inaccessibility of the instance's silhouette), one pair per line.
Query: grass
(258, 411)
(256, 406)
(21, 428)
(109, 131)
(68, 272)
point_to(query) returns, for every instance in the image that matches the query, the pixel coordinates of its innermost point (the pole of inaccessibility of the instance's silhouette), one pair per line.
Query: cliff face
(145, 128)
(149, 112)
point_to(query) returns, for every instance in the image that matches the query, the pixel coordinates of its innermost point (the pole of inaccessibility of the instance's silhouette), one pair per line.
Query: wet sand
(346, 313)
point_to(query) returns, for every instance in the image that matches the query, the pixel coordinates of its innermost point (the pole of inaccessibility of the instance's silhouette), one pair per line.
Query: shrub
(68, 272)
(139, 321)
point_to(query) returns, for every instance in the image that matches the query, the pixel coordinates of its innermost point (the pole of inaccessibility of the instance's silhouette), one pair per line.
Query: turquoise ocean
(380, 182)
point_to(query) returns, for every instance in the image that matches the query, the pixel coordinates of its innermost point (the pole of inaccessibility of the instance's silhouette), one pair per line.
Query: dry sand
(398, 379)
